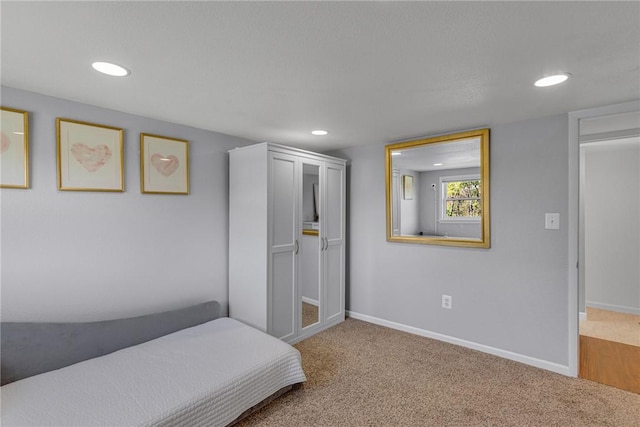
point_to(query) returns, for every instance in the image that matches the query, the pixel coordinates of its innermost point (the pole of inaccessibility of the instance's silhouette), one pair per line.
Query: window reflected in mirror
(438, 190)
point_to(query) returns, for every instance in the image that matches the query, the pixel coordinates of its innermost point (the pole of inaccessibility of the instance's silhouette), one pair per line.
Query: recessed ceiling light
(438, 164)
(396, 153)
(552, 80)
(319, 132)
(110, 69)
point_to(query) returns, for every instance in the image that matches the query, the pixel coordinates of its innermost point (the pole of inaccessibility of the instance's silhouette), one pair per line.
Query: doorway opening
(609, 249)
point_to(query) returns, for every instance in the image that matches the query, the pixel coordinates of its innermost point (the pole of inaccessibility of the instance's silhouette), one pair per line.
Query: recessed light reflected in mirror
(396, 153)
(438, 164)
(552, 80)
(319, 132)
(110, 69)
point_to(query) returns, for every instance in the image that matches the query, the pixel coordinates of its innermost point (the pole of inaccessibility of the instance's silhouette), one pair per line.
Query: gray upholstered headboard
(33, 348)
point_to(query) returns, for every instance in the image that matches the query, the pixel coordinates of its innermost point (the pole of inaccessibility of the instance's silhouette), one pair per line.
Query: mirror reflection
(310, 246)
(438, 190)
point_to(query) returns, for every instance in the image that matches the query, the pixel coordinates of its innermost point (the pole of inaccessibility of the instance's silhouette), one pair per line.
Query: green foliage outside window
(463, 199)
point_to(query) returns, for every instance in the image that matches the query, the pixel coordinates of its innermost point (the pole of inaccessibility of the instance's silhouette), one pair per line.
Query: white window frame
(443, 198)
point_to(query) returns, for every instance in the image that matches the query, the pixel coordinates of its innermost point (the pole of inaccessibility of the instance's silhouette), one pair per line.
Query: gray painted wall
(612, 221)
(79, 256)
(76, 256)
(512, 296)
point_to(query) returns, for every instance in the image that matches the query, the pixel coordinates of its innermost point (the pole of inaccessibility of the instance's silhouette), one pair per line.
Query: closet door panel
(283, 208)
(333, 203)
(334, 306)
(333, 232)
(282, 295)
(283, 200)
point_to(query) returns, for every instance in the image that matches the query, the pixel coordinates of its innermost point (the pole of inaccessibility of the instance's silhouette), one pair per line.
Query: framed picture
(90, 156)
(407, 187)
(164, 165)
(14, 148)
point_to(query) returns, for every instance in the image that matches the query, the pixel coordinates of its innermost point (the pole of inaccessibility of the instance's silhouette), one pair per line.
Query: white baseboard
(582, 315)
(538, 363)
(612, 307)
(310, 301)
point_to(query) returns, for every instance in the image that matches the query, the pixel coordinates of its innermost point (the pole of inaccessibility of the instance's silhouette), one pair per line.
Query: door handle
(297, 247)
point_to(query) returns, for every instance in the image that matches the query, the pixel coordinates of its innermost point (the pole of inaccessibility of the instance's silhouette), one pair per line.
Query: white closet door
(283, 208)
(333, 232)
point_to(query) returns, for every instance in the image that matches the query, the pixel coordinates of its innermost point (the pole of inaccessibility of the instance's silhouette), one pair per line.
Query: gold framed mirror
(437, 190)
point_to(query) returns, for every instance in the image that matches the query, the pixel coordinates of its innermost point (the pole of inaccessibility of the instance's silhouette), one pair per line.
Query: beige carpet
(361, 374)
(612, 326)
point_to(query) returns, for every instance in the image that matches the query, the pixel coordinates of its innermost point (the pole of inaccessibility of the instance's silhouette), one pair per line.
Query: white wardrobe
(286, 240)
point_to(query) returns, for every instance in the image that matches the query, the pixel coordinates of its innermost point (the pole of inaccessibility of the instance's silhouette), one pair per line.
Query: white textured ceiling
(369, 72)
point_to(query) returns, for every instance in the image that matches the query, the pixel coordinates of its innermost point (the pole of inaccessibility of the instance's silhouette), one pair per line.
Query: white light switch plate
(552, 221)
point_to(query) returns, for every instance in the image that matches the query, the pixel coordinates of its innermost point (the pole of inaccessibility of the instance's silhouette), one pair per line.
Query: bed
(207, 374)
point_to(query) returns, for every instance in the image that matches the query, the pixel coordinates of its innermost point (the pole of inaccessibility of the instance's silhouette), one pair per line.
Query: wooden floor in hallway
(610, 349)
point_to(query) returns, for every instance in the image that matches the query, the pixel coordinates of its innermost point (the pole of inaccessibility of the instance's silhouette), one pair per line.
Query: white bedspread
(206, 375)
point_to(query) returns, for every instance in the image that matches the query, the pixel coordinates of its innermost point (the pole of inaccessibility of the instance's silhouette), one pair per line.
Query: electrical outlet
(447, 301)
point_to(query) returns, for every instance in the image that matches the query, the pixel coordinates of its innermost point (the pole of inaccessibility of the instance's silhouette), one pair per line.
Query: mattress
(206, 375)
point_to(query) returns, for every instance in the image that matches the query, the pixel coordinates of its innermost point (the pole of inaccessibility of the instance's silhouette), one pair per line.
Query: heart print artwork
(5, 143)
(91, 158)
(166, 165)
